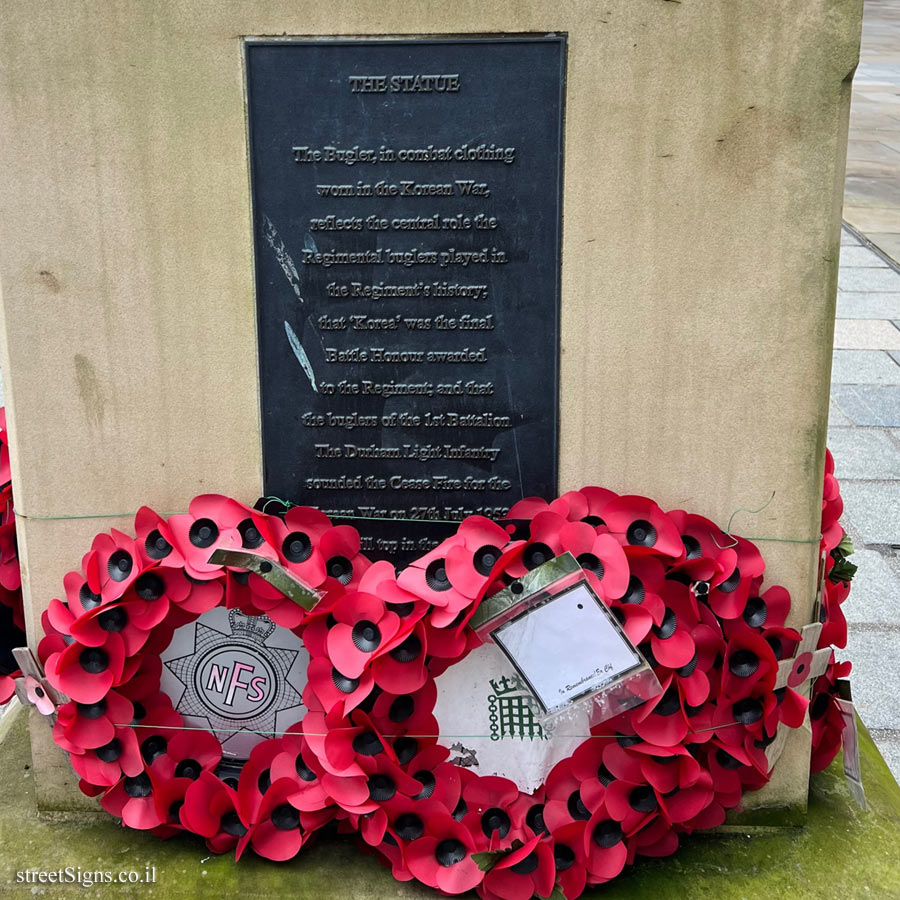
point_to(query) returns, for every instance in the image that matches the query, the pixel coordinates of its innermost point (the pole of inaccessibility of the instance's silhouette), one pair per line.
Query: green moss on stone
(842, 853)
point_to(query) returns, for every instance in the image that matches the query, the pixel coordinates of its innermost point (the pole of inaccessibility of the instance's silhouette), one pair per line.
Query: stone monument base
(843, 853)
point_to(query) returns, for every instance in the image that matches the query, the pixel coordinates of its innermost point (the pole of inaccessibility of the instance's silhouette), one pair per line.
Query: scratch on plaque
(467, 758)
(283, 257)
(300, 353)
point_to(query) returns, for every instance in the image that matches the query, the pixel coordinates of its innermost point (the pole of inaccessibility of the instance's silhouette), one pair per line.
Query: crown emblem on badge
(254, 628)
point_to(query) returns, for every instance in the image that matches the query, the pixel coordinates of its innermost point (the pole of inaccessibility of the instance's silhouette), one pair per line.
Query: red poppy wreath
(365, 750)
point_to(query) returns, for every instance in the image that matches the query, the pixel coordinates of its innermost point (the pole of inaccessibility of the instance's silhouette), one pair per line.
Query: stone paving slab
(847, 239)
(889, 243)
(861, 256)
(869, 404)
(874, 594)
(869, 279)
(888, 741)
(836, 419)
(872, 220)
(866, 334)
(873, 509)
(876, 675)
(868, 304)
(864, 367)
(864, 454)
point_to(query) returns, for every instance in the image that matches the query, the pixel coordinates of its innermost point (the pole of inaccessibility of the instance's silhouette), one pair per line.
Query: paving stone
(856, 257)
(874, 512)
(864, 454)
(868, 305)
(888, 243)
(867, 219)
(872, 279)
(888, 743)
(836, 419)
(876, 675)
(866, 334)
(871, 150)
(847, 239)
(864, 367)
(875, 592)
(869, 404)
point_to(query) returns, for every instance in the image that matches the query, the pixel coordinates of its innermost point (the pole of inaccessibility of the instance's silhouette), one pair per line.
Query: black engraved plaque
(406, 208)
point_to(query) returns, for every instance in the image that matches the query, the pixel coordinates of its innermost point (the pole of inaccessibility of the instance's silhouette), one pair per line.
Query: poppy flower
(834, 623)
(38, 695)
(442, 857)
(256, 776)
(734, 718)
(570, 859)
(664, 768)
(703, 543)
(187, 755)
(332, 688)
(662, 720)
(450, 643)
(383, 780)
(646, 584)
(161, 587)
(600, 555)
(405, 818)
(749, 662)
(131, 621)
(168, 797)
(566, 796)
(783, 641)
(832, 507)
(131, 800)
(458, 571)
(85, 726)
(825, 716)
(10, 573)
(211, 809)
(475, 555)
(86, 673)
(364, 629)
(296, 760)
(8, 686)
(401, 670)
(346, 746)
(105, 765)
(724, 763)
(671, 641)
(604, 847)
(155, 541)
(278, 832)
(210, 523)
(144, 682)
(112, 564)
(490, 801)
(639, 523)
(655, 839)
(544, 544)
(730, 589)
(527, 508)
(340, 548)
(398, 715)
(296, 539)
(521, 874)
(440, 781)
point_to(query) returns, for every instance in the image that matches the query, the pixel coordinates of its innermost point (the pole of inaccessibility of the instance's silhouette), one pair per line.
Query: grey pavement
(864, 437)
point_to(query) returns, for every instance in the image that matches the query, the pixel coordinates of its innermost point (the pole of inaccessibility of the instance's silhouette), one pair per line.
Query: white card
(567, 647)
